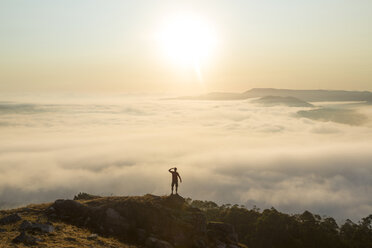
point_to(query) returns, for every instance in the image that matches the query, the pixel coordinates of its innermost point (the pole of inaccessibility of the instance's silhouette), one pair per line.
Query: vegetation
(272, 229)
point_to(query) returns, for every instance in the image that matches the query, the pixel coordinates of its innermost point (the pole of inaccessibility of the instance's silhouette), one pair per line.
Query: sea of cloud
(226, 151)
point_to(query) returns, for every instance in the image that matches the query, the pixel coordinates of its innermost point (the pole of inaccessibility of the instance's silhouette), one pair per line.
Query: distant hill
(305, 95)
(343, 116)
(288, 101)
(312, 95)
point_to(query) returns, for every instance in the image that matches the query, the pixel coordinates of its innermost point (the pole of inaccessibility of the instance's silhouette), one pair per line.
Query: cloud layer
(226, 151)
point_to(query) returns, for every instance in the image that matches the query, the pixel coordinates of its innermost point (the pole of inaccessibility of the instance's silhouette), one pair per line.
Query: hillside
(32, 226)
(172, 221)
(147, 221)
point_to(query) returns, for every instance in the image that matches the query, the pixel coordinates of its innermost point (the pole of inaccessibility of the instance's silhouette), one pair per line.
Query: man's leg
(176, 188)
(172, 187)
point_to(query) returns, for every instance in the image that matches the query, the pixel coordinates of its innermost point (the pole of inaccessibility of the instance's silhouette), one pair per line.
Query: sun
(187, 40)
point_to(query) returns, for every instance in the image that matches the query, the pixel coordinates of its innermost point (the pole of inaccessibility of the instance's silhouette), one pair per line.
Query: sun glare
(187, 40)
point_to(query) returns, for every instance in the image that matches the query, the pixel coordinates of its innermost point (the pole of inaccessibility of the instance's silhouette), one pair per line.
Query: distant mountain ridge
(289, 101)
(343, 116)
(305, 95)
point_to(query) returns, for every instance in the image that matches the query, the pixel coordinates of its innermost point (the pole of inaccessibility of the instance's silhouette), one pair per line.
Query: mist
(225, 151)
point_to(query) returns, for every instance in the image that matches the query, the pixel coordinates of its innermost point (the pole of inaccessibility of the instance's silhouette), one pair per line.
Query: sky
(113, 46)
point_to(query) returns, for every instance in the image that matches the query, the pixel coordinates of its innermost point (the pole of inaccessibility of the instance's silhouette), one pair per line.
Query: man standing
(175, 177)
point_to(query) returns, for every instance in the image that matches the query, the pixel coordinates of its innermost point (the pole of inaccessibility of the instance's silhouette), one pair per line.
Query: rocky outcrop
(10, 219)
(25, 228)
(151, 221)
(26, 239)
(31, 226)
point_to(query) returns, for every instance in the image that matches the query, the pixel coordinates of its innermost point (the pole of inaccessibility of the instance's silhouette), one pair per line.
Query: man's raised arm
(170, 170)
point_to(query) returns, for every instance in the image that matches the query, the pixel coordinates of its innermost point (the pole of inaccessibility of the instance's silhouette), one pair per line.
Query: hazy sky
(113, 46)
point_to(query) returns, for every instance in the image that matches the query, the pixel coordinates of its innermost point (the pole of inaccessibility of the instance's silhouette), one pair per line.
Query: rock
(114, 222)
(26, 225)
(26, 239)
(92, 236)
(2, 230)
(87, 220)
(152, 242)
(10, 219)
(112, 214)
(174, 201)
(43, 227)
(51, 212)
(69, 208)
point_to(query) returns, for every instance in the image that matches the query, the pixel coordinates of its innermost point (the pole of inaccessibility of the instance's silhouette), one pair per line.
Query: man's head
(175, 169)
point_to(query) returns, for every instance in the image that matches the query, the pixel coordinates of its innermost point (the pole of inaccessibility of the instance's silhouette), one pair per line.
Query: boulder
(69, 208)
(27, 225)
(173, 201)
(10, 219)
(26, 239)
(47, 228)
(113, 214)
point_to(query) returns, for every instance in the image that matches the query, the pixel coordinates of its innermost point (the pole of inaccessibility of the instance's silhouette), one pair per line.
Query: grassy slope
(65, 235)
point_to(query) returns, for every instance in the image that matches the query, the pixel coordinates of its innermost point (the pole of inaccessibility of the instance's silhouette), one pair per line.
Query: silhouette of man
(175, 177)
